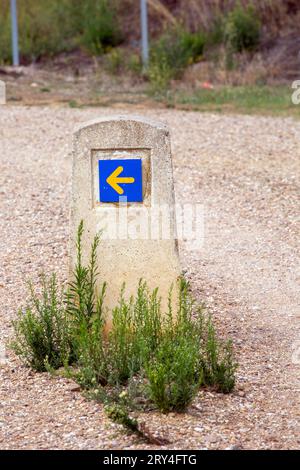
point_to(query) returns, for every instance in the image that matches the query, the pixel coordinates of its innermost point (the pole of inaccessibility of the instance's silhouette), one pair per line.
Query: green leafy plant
(193, 45)
(136, 327)
(171, 54)
(119, 414)
(48, 28)
(115, 61)
(85, 309)
(89, 346)
(81, 300)
(173, 375)
(42, 332)
(100, 26)
(174, 353)
(143, 355)
(134, 64)
(242, 29)
(218, 363)
(45, 29)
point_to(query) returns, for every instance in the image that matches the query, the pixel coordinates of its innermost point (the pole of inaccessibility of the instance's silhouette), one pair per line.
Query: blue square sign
(121, 178)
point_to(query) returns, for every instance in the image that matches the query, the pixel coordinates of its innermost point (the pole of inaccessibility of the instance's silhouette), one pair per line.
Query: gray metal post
(144, 28)
(14, 32)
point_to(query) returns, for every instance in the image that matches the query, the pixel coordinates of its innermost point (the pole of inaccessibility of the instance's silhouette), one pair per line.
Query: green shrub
(100, 26)
(5, 34)
(134, 64)
(164, 349)
(115, 61)
(123, 361)
(136, 328)
(86, 314)
(89, 346)
(173, 353)
(119, 414)
(170, 55)
(44, 30)
(173, 373)
(242, 29)
(193, 45)
(47, 28)
(81, 300)
(217, 362)
(216, 34)
(166, 62)
(148, 355)
(42, 331)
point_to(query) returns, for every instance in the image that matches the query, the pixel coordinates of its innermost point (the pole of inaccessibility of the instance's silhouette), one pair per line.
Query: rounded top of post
(122, 119)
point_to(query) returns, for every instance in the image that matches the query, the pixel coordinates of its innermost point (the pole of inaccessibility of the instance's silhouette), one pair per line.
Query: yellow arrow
(114, 181)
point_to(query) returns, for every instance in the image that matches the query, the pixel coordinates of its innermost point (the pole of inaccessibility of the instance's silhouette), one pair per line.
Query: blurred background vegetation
(198, 42)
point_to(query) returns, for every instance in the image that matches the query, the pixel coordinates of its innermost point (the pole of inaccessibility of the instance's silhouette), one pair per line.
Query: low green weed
(147, 358)
(171, 54)
(42, 330)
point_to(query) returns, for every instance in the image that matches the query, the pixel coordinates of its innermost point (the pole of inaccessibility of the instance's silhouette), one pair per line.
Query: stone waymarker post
(2, 92)
(123, 184)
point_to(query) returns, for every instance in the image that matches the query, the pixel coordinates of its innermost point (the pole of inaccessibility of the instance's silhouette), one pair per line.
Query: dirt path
(244, 170)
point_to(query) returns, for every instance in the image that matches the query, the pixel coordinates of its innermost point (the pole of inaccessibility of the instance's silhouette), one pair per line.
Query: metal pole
(144, 28)
(14, 32)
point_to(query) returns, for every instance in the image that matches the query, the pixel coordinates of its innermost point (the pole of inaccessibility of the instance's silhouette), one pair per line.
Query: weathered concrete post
(2, 92)
(123, 184)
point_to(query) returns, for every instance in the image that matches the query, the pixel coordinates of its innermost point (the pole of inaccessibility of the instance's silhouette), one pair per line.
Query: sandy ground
(244, 170)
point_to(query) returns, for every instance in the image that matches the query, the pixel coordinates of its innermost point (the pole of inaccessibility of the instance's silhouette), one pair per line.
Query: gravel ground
(244, 171)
